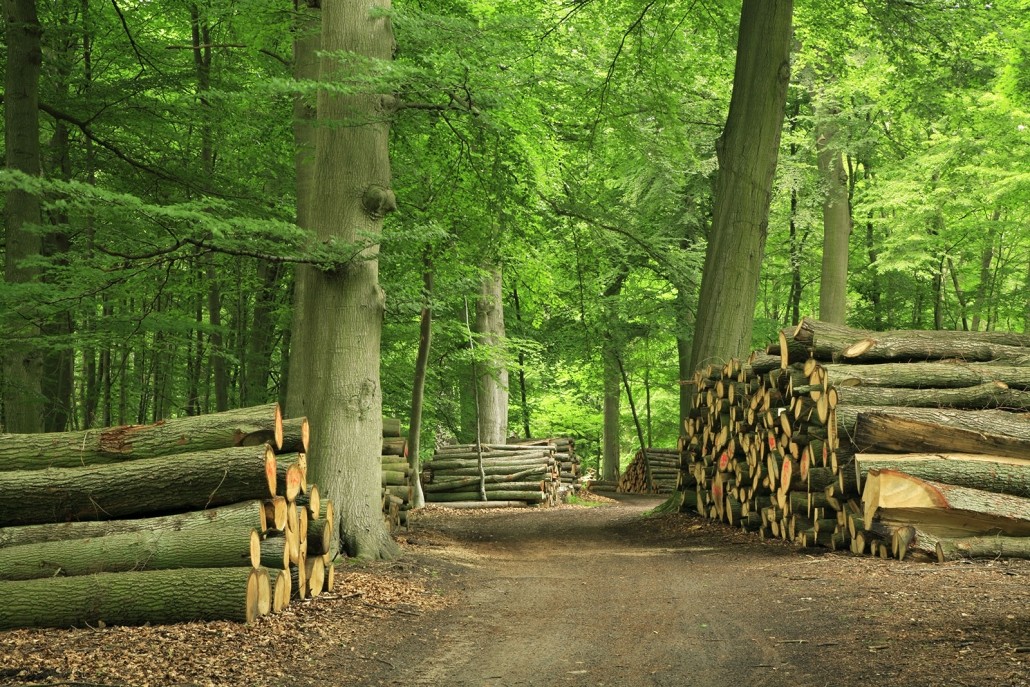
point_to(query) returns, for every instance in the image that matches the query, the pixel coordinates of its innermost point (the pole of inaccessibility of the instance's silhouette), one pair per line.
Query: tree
(747, 151)
(341, 309)
(23, 361)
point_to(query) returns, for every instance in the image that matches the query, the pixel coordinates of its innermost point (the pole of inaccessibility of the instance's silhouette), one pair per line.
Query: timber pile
(664, 465)
(882, 443)
(466, 474)
(200, 518)
(397, 489)
(564, 455)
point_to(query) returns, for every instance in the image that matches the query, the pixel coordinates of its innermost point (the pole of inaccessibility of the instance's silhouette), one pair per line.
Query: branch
(265, 51)
(132, 41)
(611, 68)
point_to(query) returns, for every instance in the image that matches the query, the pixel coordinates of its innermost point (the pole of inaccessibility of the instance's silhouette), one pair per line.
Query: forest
(489, 218)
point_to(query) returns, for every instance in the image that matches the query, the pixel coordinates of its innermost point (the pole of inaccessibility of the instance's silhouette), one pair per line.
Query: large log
(167, 484)
(912, 430)
(133, 598)
(1001, 474)
(243, 427)
(983, 396)
(943, 510)
(949, 375)
(983, 547)
(514, 495)
(246, 514)
(212, 546)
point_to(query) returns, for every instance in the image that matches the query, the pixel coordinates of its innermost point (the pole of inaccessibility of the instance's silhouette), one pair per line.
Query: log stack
(397, 489)
(200, 518)
(464, 474)
(564, 455)
(664, 465)
(884, 443)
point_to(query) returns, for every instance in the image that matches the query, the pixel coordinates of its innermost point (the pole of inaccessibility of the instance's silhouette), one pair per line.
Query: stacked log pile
(883, 443)
(201, 518)
(397, 489)
(564, 455)
(664, 466)
(468, 474)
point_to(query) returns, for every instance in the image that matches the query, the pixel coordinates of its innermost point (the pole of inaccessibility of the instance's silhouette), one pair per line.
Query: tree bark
(23, 360)
(833, 287)
(243, 427)
(493, 370)
(342, 308)
(927, 375)
(989, 395)
(189, 481)
(747, 153)
(134, 598)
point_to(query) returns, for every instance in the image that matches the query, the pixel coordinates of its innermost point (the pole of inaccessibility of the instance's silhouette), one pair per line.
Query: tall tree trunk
(342, 308)
(986, 259)
(522, 366)
(418, 387)
(612, 432)
(937, 287)
(684, 327)
(305, 69)
(962, 304)
(875, 289)
(493, 370)
(23, 361)
(833, 285)
(261, 336)
(747, 153)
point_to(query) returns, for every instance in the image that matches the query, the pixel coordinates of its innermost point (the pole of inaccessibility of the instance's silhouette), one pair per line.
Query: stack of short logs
(889, 444)
(474, 475)
(663, 464)
(201, 518)
(397, 489)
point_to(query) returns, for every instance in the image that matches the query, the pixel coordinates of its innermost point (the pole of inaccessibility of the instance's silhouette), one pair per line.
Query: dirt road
(601, 596)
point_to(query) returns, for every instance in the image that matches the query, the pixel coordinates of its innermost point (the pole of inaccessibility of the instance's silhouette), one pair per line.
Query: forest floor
(581, 595)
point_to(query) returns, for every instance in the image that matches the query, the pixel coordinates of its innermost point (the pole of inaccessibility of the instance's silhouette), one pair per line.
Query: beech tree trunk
(341, 309)
(22, 360)
(493, 370)
(833, 285)
(747, 153)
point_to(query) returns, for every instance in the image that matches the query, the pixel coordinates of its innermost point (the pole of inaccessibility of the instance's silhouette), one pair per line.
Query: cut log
(484, 504)
(1004, 475)
(315, 573)
(928, 375)
(989, 395)
(294, 437)
(392, 427)
(275, 513)
(212, 546)
(275, 550)
(190, 481)
(943, 510)
(983, 547)
(133, 598)
(909, 430)
(395, 446)
(246, 514)
(920, 346)
(243, 427)
(529, 496)
(319, 536)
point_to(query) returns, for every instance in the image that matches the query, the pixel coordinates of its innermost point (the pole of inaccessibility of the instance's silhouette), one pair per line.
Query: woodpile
(889, 444)
(462, 474)
(200, 518)
(397, 488)
(657, 472)
(564, 455)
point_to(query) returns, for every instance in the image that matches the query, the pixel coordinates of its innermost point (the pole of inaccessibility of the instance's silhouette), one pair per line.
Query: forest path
(605, 596)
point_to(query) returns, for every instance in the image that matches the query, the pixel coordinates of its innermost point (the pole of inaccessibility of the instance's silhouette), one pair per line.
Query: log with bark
(243, 427)
(134, 598)
(166, 484)
(508, 472)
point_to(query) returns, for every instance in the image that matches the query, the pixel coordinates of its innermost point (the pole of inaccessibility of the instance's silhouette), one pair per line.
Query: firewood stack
(564, 455)
(886, 443)
(199, 518)
(665, 472)
(397, 489)
(510, 473)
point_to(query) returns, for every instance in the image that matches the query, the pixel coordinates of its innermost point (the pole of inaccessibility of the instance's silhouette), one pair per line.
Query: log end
(858, 348)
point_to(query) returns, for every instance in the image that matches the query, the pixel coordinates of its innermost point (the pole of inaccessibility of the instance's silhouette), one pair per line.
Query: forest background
(553, 170)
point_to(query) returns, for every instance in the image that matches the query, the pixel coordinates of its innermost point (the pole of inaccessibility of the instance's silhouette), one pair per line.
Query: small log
(983, 396)
(1001, 474)
(937, 375)
(275, 550)
(476, 505)
(295, 436)
(923, 430)
(995, 546)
